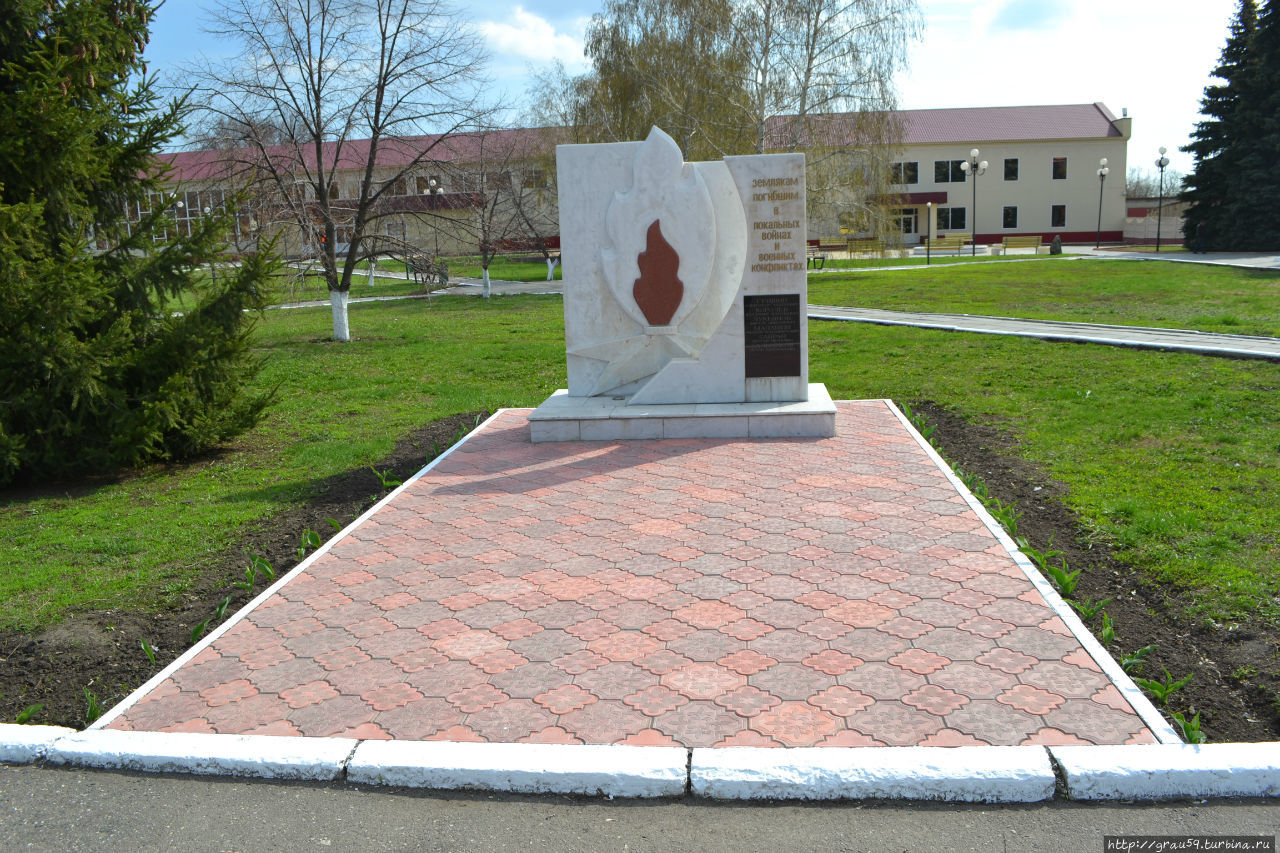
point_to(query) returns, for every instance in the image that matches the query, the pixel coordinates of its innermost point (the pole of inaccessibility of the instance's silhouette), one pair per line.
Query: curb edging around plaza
(997, 774)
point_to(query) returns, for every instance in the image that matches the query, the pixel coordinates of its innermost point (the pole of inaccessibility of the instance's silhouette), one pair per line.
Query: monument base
(565, 418)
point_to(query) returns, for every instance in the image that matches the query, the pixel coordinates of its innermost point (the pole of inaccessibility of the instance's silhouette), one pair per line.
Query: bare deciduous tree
(514, 200)
(323, 90)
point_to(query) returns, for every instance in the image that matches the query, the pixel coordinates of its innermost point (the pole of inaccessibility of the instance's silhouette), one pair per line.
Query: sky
(1152, 59)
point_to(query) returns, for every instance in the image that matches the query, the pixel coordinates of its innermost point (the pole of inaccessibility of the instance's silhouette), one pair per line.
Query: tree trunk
(373, 265)
(551, 268)
(484, 274)
(338, 302)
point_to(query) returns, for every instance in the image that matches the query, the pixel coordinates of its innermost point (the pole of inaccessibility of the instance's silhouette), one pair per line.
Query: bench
(866, 245)
(815, 257)
(1035, 243)
(952, 242)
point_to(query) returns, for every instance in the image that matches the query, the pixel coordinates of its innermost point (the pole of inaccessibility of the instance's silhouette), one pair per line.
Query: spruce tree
(1215, 177)
(1251, 208)
(97, 368)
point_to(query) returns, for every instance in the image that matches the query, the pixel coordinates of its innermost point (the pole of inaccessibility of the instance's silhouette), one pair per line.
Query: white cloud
(1030, 15)
(534, 39)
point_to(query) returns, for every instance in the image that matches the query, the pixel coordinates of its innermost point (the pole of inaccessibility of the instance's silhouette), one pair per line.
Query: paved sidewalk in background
(695, 593)
(1205, 343)
(1242, 260)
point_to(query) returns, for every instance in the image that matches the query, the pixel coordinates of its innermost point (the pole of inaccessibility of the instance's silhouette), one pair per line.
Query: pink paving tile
(833, 592)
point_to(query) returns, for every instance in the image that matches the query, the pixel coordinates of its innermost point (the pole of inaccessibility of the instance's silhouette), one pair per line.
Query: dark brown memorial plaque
(771, 334)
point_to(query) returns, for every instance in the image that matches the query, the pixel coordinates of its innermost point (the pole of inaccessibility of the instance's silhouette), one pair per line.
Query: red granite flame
(658, 291)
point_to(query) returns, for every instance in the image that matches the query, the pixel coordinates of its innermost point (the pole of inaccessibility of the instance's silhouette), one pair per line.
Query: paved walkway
(703, 592)
(1208, 343)
(1243, 260)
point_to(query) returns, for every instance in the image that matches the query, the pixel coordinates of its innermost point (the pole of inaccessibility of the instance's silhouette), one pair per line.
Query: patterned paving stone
(831, 592)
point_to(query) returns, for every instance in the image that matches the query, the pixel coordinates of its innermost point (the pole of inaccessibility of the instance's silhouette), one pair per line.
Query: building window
(904, 173)
(952, 219)
(1059, 168)
(1011, 168)
(948, 172)
(534, 179)
(1010, 216)
(1058, 216)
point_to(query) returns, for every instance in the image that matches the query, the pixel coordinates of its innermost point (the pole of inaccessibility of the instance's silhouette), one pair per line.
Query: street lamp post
(1103, 171)
(434, 191)
(928, 233)
(1161, 162)
(974, 167)
(213, 275)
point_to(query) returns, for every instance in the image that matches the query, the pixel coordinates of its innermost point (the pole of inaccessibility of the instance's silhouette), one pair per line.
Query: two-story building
(1041, 176)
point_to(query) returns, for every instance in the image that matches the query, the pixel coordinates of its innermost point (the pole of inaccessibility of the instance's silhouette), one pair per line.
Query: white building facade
(1041, 177)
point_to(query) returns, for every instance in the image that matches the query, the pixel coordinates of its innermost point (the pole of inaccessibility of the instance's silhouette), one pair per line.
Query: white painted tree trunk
(373, 265)
(552, 263)
(338, 302)
(485, 275)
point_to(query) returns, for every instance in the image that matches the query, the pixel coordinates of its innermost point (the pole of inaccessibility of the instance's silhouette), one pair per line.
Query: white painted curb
(991, 774)
(607, 770)
(263, 756)
(1170, 771)
(28, 744)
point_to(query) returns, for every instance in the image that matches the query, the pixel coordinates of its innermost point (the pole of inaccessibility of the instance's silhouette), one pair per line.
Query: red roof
(1007, 124)
(959, 125)
(461, 147)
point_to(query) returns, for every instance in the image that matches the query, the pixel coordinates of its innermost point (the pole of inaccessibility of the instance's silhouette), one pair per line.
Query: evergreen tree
(96, 370)
(1251, 207)
(1234, 181)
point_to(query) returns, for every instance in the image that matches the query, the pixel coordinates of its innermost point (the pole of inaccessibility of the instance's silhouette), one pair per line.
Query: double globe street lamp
(1161, 162)
(1103, 171)
(974, 167)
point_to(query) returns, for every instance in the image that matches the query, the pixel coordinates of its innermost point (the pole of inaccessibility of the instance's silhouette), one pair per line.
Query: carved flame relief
(663, 188)
(658, 291)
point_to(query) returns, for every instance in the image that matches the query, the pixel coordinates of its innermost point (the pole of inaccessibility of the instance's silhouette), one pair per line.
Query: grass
(143, 541)
(1173, 458)
(1127, 293)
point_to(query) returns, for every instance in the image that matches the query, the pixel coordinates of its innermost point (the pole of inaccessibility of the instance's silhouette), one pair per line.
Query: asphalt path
(56, 809)
(1205, 343)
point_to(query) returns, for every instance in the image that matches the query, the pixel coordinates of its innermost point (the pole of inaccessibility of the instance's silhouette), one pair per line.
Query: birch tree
(749, 76)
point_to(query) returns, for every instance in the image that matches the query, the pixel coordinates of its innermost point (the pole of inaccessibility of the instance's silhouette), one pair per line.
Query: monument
(684, 297)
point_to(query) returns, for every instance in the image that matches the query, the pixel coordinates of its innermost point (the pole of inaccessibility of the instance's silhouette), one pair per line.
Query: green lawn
(1127, 293)
(341, 407)
(1173, 458)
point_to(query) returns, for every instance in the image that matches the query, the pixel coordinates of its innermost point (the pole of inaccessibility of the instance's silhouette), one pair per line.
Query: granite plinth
(562, 417)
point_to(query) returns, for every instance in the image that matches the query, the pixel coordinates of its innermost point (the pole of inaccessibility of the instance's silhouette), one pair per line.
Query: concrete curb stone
(318, 759)
(1169, 771)
(991, 774)
(604, 770)
(28, 744)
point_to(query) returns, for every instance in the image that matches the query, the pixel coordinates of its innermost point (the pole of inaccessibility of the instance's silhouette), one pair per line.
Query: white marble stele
(738, 229)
